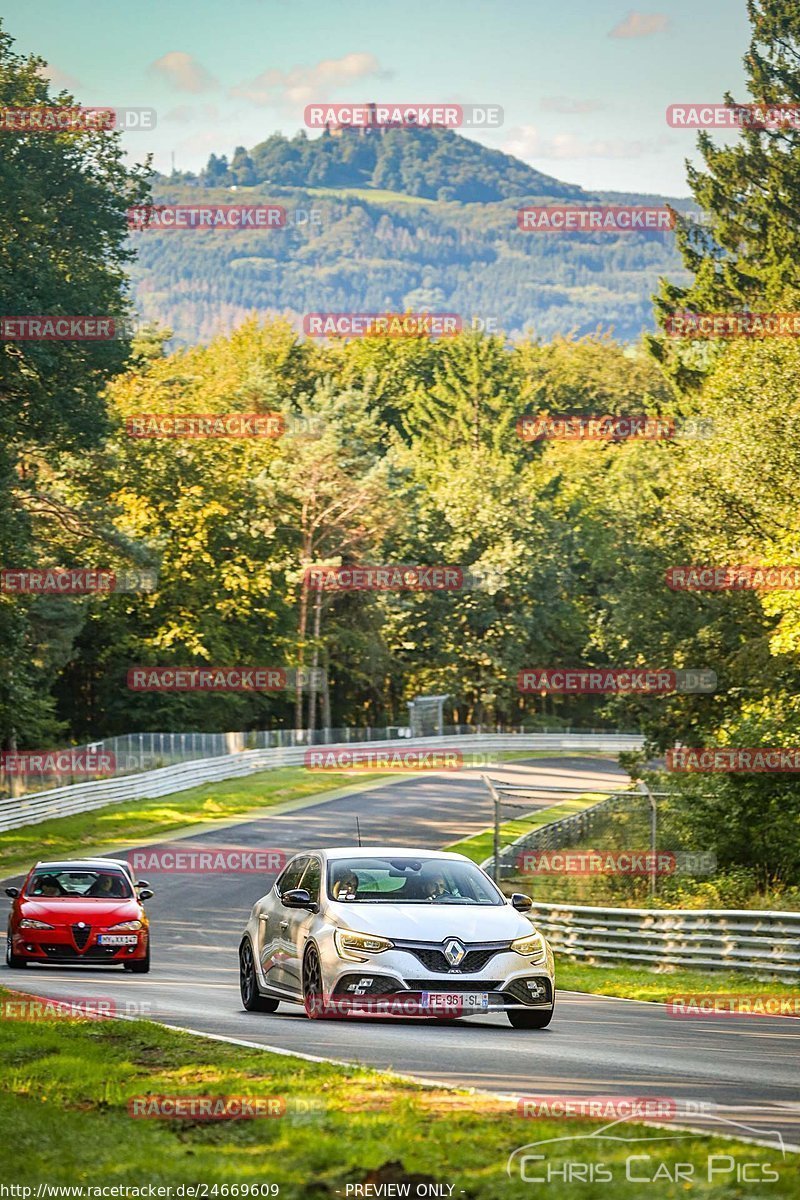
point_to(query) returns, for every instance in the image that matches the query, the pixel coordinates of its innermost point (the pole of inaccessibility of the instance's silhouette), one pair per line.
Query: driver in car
(48, 885)
(107, 887)
(346, 885)
(436, 886)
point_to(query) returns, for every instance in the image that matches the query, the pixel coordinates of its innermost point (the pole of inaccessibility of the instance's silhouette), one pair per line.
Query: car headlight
(29, 923)
(531, 946)
(354, 945)
(126, 925)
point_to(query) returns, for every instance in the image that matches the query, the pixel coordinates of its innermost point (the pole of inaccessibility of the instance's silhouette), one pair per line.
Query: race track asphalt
(734, 1075)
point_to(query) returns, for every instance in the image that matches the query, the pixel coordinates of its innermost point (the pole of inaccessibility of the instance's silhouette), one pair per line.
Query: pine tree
(748, 256)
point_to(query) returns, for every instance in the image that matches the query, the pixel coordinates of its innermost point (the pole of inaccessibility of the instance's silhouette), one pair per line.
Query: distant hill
(432, 164)
(403, 219)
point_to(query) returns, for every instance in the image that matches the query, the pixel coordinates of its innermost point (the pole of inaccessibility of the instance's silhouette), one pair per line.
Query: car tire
(252, 999)
(140, 966)
(313, 994)
(14, 961)
(538, 1018)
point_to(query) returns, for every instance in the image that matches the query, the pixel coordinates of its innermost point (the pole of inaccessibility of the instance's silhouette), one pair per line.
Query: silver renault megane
(395, 931)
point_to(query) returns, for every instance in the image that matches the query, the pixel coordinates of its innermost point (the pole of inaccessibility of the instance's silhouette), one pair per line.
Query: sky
(583, 84)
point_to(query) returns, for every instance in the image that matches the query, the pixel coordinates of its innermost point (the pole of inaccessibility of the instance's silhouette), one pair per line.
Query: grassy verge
(639, 983)
(66, 1087)
(134, 820)
(480, 847)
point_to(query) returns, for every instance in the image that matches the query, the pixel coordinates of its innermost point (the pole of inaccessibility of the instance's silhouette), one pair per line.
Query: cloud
(302, 85)
(185, 114)
(567, 104)
(639, 24)
(527, 143)
(60, 80)
(183, 72)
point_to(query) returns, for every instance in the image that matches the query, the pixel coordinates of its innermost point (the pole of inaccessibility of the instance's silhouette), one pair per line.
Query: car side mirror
(146, 894)
(12, 892)
(142, 883)
(298, 898)
(521, 902)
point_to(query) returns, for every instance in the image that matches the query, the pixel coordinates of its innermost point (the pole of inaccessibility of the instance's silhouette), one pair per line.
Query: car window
(410, 881)
(291, 876)
(312, 878)
(53, 883)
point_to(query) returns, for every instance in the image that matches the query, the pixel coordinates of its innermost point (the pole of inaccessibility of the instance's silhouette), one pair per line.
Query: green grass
(481, 845)
(641, 983)
(65, 1087)
(120, 825)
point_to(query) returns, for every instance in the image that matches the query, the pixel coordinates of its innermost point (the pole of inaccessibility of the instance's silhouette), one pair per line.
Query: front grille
(69, 953)
(520, 991)
(60, 951)
(81, 935)
(453, 985)
(433, 959)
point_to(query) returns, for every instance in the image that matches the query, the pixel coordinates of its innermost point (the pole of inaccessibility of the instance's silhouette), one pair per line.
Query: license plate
(118, 939)
(445, 1000)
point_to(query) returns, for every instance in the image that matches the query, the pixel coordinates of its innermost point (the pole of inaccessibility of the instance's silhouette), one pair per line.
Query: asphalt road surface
(734, 1075)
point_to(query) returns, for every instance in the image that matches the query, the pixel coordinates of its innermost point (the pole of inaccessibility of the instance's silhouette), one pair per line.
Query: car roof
(387, 852)
(91, 863)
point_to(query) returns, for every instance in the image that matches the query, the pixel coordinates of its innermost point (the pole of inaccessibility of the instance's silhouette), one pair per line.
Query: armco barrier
(35, 807)
(733, 939)
(557, 834)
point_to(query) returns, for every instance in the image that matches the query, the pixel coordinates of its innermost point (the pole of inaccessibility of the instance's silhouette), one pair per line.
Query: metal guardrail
(33, 808)
(131, 753)
(557, 834)
(734, 939)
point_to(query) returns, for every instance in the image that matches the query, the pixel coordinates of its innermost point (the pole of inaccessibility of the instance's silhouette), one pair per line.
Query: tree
(749, 255)
(63, 248)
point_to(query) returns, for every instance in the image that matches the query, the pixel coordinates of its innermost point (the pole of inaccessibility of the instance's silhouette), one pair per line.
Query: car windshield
(59, 883)
(409, 881)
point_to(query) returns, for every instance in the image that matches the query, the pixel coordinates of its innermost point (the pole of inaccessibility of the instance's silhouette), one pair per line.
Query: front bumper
(65, 945)
(402, 977)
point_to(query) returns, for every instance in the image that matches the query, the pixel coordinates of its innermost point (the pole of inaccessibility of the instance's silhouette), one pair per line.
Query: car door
(273, 946)
(298, 922)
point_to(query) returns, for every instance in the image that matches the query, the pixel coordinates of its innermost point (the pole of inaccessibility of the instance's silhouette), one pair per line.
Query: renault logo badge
(454, 952)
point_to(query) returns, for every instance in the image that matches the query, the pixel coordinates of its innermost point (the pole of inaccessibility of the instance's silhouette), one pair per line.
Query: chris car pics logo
(611, 1154)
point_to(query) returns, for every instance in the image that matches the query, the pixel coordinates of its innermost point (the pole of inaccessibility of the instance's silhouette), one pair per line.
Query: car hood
(433, 922)
(93, 912)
